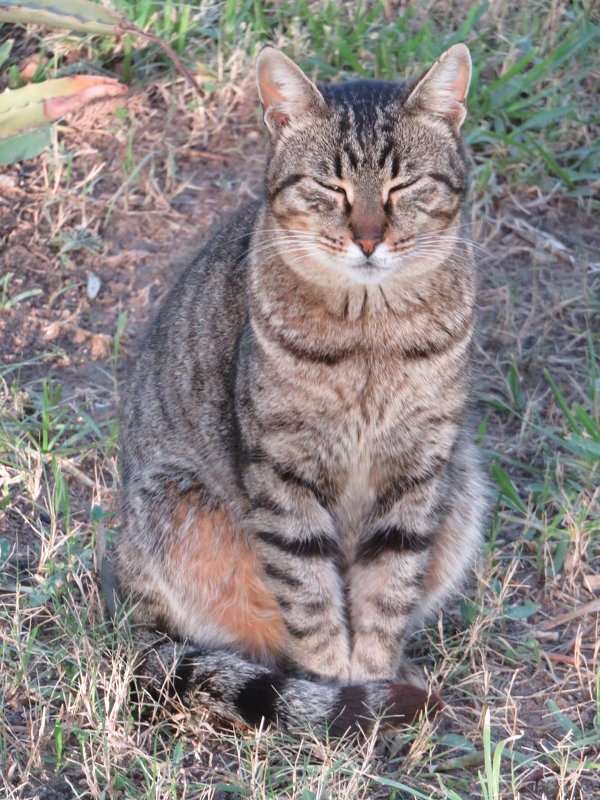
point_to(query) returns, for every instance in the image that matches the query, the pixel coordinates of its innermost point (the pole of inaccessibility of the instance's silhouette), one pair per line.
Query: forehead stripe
(351, 155)
(338, 165)
(387, 149)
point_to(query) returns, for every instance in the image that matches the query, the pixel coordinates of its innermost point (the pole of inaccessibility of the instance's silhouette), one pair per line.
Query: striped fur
(238, 690)
(299, 489)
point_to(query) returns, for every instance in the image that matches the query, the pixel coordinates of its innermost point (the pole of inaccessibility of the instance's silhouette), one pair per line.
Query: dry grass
(518, 658)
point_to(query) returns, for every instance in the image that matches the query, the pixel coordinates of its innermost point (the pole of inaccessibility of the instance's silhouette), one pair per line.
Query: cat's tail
(241, 691)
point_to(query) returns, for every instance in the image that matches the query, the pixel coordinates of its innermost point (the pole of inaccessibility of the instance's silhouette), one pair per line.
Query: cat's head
(366, 179)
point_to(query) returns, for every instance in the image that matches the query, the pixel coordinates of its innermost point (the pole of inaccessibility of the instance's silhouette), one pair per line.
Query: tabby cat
(299, 491)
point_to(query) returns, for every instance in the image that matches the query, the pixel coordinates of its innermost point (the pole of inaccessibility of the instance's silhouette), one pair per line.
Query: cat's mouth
(370, 265)
(385, 261)
(369, 269)
(385, 257)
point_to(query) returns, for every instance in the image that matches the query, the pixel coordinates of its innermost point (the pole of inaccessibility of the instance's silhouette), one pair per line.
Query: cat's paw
(364, 666)
(332, 661)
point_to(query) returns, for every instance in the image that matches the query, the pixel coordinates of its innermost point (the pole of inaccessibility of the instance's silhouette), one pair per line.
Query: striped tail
(241, 691)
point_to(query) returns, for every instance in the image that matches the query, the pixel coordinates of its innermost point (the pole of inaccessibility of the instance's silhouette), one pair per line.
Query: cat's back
(188, 356)
(210, 288)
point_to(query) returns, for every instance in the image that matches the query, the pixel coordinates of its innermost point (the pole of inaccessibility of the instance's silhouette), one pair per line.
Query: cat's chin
(367, 273)
(377, 271)
(382, 267)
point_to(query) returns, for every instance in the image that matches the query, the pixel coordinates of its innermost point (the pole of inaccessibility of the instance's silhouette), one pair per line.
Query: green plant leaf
(81, 16)
(563, 720)
(26, 145)
(39, 103)
(455, 740)
(507, 487)
(5, 49)
(522, 611)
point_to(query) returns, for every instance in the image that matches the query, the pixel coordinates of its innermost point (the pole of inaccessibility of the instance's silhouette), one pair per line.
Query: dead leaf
(53, 330)
(30, 66)
(101, 344)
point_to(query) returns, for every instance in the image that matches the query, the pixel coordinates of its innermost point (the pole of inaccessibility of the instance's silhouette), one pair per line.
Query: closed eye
(398, 187)
(331, 187)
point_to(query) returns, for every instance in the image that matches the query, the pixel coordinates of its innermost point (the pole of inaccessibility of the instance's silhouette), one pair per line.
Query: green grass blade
(507, 487)
(561, 402)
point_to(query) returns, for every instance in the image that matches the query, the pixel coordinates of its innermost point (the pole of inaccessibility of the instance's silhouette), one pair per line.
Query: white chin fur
(384, 264)
(352, 266)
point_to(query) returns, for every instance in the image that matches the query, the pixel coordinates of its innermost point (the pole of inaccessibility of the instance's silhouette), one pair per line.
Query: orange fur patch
(222, 579)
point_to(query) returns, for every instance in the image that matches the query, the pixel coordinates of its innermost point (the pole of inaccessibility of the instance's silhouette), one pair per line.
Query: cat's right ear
(287, 96)
(442, 91)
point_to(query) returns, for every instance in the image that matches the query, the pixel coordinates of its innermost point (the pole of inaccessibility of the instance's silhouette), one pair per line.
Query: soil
(134, 233)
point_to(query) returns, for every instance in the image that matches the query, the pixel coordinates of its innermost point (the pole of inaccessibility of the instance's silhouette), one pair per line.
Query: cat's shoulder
(228, 241)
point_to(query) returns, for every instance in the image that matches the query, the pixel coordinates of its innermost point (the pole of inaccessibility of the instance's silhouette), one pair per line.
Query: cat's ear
(442, 91)
(287, 96)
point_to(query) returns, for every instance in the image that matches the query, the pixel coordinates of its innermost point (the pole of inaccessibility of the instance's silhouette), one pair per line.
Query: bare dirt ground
(128, 198)
(133, 233)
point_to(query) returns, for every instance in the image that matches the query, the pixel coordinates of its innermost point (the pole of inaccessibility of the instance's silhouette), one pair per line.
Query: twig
(584, 633)
(559, 658)
(580, 611)
(75, 472)
(207, 155)
(535, 777)
(128, 27)
(551, 636)
(536, 236)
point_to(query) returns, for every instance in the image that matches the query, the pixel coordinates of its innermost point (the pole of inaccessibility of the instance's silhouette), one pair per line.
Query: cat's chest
(379, 432)
(351, 424)
(358, 426)
(370, 397)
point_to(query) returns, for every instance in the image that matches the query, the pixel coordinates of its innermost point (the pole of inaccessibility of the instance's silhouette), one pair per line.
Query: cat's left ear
(442, 91)
(287, 96)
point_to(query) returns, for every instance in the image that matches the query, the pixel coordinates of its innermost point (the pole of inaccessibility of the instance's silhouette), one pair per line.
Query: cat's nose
(368, 245)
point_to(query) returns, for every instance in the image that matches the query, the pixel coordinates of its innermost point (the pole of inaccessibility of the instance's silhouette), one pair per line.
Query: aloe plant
(26, 113)
(80, 16)
(39, 103)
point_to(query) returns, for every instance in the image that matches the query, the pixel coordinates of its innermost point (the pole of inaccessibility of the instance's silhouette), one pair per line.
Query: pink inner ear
(270, 94)
(460, 85)
(278, 116)
(272, 100)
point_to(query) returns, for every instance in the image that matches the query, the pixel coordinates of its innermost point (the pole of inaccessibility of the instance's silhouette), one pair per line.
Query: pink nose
(367, 245)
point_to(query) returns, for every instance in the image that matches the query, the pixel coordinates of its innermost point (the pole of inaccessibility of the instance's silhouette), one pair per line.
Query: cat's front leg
(298, 548)
(385, 592)
(391, 558)
(410, 558)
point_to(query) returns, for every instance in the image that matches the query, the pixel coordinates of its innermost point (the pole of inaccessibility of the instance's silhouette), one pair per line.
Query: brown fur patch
(409, 701)
(222, 579)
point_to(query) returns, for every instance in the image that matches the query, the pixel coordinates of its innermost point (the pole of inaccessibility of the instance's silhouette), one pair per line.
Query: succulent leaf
(39, 103)
(81, 16)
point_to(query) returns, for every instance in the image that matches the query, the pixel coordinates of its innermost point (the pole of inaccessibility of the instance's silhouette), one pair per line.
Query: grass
(517, 658)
